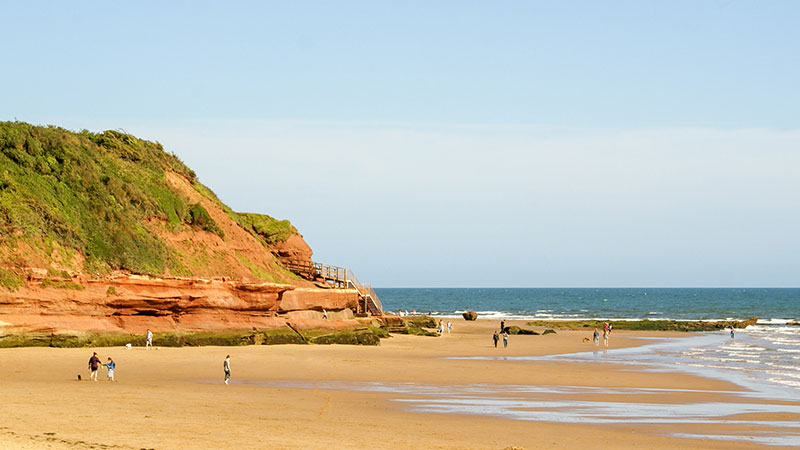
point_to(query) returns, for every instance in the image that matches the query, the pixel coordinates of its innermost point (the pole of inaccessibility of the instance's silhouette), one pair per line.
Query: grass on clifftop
(270, 229)
(90, 192)
(65, 193)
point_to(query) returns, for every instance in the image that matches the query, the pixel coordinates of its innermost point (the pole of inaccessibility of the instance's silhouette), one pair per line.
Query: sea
(762, 356)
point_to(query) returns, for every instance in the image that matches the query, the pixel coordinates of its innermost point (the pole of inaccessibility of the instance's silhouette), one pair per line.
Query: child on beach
(94, 364)
(496, 338)
(226, 366)
(110, 365)
(596, 337)
(148, 340)
(505, 339)
(449, 327)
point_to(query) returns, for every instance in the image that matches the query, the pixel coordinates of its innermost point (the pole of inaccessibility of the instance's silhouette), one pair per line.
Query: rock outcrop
(135, 303)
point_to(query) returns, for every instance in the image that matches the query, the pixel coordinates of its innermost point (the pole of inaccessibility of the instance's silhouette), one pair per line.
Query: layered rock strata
(133, 304)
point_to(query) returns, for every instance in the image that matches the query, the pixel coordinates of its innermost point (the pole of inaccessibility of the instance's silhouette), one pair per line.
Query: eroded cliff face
(107, 232)
(133, 304)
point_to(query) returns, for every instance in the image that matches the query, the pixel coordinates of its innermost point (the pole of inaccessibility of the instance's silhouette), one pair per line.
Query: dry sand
(174, 397)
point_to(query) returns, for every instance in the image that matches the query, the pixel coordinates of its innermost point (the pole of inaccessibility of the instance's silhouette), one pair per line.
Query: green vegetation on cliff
(93, 197)
(271, 230)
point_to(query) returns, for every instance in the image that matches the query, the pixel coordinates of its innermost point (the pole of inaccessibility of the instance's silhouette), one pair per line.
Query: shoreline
(158, 390)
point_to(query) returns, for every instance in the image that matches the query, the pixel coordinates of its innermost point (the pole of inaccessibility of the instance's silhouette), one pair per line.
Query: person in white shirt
(226, 366)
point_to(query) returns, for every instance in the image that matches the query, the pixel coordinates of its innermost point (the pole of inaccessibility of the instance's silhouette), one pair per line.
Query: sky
(456, 143)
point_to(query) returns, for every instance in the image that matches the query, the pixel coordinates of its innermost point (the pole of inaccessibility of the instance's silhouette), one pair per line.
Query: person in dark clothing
(94, 364)
(496, 338)
(502, 325)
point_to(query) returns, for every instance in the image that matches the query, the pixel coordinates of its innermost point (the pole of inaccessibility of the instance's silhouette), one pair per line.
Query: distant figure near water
(505, 339)
(596, 337)
(496, 338)
(148, 340)
(733, 334)
(449, 327)
(502, 325)
(226, 366)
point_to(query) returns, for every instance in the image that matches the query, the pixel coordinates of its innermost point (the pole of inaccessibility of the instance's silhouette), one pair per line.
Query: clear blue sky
(457, 143)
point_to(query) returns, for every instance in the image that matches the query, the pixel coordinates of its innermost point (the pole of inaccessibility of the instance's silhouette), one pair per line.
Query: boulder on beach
(513, 329)
(470, 315)
(549, 331)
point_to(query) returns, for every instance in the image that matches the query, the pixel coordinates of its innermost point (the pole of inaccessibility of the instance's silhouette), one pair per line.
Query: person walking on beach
(110, 365)
(605, 338)
(502, 325)
(596, 337)
(505, 339)
(449, 327)
(148, 340)
(226, 366)
(94, 364)
(733, 334)
(496, 338)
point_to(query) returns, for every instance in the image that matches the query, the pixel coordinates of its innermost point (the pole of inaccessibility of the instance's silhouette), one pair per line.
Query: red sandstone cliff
(84, 215)
(133, 304)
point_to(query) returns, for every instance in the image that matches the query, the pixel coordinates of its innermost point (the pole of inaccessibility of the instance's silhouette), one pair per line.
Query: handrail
(338, 276)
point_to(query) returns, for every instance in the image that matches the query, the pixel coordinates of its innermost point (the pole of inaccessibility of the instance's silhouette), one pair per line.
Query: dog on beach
(587, 339)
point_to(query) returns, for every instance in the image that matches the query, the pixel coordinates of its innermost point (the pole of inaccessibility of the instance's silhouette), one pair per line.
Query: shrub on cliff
(268, 228)
(10, 280)
(198, 217)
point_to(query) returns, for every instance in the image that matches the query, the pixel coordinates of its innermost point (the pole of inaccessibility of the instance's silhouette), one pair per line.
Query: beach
(443, 392)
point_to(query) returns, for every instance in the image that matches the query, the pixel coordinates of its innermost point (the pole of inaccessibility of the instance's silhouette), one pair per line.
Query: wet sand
(323, 397)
